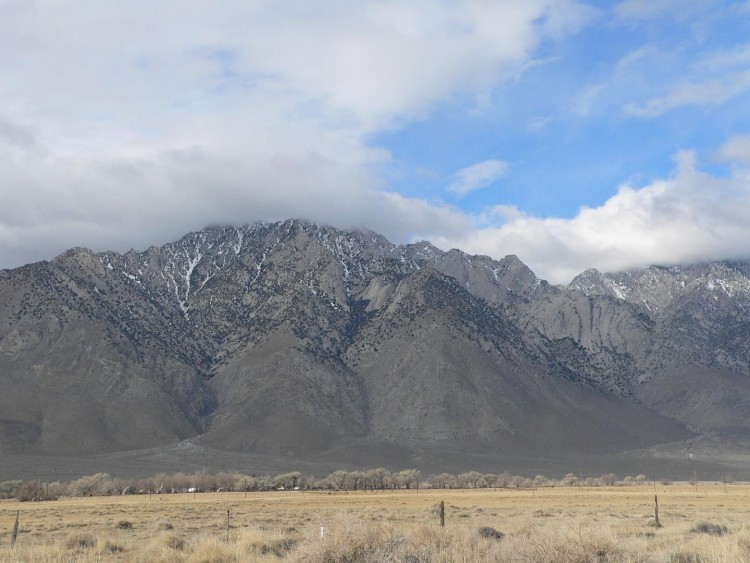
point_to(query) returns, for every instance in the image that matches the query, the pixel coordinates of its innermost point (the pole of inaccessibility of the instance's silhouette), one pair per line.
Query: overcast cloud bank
(125, 124)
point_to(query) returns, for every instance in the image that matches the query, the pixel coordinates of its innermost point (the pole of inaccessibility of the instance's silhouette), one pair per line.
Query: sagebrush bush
(490, 533)
(711, 529)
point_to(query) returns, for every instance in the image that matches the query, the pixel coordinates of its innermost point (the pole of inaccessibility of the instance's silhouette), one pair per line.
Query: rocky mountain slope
(299, 340)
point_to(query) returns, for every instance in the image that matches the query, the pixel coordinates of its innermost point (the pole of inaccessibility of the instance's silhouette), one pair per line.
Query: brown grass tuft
(108, 546)
(172, 541)
(80, 541)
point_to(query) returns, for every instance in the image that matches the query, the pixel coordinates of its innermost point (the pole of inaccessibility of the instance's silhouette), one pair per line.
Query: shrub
(710, 529)
(8, 489)
(490, 533)
(279, 547)
(80, 541)
(109, 547)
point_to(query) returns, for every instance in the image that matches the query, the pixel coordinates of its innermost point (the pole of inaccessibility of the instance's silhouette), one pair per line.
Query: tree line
(370, 479)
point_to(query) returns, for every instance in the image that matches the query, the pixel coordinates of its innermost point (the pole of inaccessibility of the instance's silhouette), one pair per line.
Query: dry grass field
(565, 524)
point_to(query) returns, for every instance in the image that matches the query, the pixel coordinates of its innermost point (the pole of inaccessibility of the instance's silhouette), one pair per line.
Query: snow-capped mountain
(294, 339)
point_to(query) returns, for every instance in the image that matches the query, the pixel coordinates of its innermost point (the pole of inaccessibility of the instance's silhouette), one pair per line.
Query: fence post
(656, 511)
(442, 514)
(15, 531)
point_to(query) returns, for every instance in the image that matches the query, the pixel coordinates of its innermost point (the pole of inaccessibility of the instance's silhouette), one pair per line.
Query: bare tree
(503, 480)
(409, 478)
(442, 481)
(88, 485)
(338, 479)
(32, 491)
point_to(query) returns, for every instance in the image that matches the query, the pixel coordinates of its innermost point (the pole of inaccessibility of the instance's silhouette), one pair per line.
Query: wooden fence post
(442, 514)
(656, 511)
(15, 530)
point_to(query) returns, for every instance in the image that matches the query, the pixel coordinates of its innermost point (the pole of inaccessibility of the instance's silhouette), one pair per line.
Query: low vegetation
(102, 484)
(560, 523)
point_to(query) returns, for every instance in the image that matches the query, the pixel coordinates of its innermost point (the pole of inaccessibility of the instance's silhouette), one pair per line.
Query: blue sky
(568, 128)
(574, 134)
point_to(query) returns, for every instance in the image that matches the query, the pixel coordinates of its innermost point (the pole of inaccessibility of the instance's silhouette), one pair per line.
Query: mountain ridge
(294, 339)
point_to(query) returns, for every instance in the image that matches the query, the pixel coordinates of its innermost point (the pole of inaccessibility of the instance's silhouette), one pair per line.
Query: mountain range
(304, 342)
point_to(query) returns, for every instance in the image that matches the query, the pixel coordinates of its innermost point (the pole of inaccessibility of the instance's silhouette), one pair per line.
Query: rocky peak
(656, 287)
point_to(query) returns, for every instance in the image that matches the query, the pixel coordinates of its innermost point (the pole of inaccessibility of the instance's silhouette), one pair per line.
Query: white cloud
(478, 176)
(712, 92)
(128, 123)
(119, 204)
(633, 76)
(651, 80)
(538, 123)
(736, 57)
(689, 217)
(736, 151)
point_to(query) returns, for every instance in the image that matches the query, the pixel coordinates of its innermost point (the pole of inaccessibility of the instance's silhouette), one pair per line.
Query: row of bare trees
(371, 479)
(162, 483)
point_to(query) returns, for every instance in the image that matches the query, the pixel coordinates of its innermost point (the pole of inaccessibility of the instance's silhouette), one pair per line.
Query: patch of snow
(209, 277)
(494, 272)
(726, 286)
(189, 274)
(619, 290)
(240, 238)
(258, 267)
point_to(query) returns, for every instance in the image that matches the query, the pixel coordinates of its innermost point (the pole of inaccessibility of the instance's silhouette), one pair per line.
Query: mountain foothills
(296, 340)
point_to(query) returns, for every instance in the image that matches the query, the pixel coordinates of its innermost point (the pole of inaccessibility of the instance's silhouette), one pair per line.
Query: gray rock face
(294, 339)
(693, 338)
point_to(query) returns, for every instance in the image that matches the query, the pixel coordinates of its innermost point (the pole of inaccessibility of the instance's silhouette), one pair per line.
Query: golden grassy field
(562, 524)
